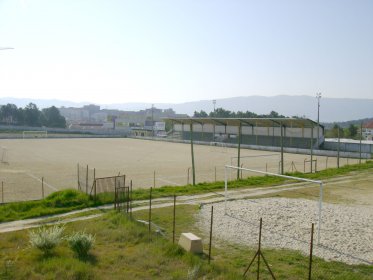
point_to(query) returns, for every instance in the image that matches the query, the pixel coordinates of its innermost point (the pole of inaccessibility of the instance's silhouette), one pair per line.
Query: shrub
(45, 239)
(81, 243)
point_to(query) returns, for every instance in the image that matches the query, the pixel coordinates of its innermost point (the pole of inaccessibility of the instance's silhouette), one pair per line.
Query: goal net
(108, 184)
(30, 134)
(251, 210)
(86, 177)
(264, 162)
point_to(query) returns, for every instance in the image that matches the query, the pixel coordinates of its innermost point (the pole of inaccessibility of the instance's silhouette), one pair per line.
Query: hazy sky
(175, 51)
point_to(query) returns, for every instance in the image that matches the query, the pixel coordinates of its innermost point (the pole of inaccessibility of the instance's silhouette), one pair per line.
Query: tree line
(30, 115)
(222, 113)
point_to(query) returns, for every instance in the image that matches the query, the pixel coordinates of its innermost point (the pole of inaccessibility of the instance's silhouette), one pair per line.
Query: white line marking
(36, 178)
(167, 181)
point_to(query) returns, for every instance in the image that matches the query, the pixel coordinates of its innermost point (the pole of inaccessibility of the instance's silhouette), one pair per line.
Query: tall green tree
(352, 129)
(51, 117)
(201, 114)
(32, 115)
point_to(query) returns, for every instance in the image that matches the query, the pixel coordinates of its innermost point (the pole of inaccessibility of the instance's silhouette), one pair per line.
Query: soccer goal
(227, 194)
(4, 155)
(27, 134)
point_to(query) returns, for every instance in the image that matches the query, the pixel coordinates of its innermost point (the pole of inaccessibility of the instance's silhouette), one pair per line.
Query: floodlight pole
(318, 96)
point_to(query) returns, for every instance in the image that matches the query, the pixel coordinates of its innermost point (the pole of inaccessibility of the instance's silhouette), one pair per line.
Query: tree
(9, 113)
(51, 117)
(201, 114)
(221, 113)
(32, 115)
(352, 130)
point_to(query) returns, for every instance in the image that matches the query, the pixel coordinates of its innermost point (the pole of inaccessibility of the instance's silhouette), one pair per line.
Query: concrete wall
(348, 146)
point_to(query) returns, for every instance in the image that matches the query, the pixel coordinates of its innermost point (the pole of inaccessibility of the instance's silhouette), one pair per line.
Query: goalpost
(320, 183)
(4, 155)
(34, 134)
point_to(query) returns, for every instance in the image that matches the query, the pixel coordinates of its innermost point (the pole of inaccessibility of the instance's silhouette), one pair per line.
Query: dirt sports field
(27, 161)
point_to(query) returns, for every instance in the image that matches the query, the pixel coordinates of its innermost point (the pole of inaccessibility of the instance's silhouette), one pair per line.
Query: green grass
(69, 200)
(56, 203)
(123, 250)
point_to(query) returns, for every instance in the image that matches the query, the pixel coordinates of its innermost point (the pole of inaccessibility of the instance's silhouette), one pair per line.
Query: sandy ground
(346, 231)
(55, 160)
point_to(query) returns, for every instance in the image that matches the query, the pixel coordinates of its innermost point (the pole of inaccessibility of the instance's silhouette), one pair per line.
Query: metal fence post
(311, 253)
(211, 221)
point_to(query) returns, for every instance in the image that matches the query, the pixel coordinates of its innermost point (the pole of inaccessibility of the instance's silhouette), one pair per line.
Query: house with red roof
(368, 130)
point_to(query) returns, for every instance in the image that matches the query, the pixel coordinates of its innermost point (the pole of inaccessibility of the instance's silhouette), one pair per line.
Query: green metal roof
(261, 122)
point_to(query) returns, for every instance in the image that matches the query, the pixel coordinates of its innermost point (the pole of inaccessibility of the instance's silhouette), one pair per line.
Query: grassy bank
(69, 200)
(123, 250)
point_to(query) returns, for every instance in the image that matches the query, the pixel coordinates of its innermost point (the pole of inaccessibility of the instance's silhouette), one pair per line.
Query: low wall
(316, 152)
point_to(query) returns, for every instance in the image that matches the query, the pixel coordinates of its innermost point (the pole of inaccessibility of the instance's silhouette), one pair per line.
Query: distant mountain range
(331, 109)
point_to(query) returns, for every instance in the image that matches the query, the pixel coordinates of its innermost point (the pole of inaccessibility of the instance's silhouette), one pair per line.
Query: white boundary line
(226, 167)
(38, 179)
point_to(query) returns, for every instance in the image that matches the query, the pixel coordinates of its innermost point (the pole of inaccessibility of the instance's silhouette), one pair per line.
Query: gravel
(346, 233)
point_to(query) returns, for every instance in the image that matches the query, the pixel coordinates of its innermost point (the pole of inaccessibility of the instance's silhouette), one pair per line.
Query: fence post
(259, 249)
(115, 193)
(311, 252)
(42, 187)
(130, 198)
(174, 222)
(154, 179)
(86, 181)
(361, 137)
(215, 174)
(211, 221)
(150, 212)
(188, 176)
(2, 192)
(78, 177)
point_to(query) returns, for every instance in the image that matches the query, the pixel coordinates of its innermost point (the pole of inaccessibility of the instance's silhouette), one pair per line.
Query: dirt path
(200, 199)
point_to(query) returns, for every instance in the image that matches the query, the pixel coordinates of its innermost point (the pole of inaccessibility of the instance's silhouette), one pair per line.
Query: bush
(81, 243)
(45, 239)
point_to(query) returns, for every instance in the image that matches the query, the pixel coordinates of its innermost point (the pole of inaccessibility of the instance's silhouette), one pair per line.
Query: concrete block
(191, 243)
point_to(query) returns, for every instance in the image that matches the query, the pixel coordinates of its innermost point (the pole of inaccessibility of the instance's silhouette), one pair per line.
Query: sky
(178, 51)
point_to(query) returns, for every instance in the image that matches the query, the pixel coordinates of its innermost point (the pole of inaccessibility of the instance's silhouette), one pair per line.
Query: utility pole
(318, 96)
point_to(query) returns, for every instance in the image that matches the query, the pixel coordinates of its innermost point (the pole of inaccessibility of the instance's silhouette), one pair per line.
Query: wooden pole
(192, 151)
(86, 181)
(150, 212)
(131, 198)
(174, 222)
(154, 179)
(211, 221)
(188, 176)
(78, 177)
(42, 187)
